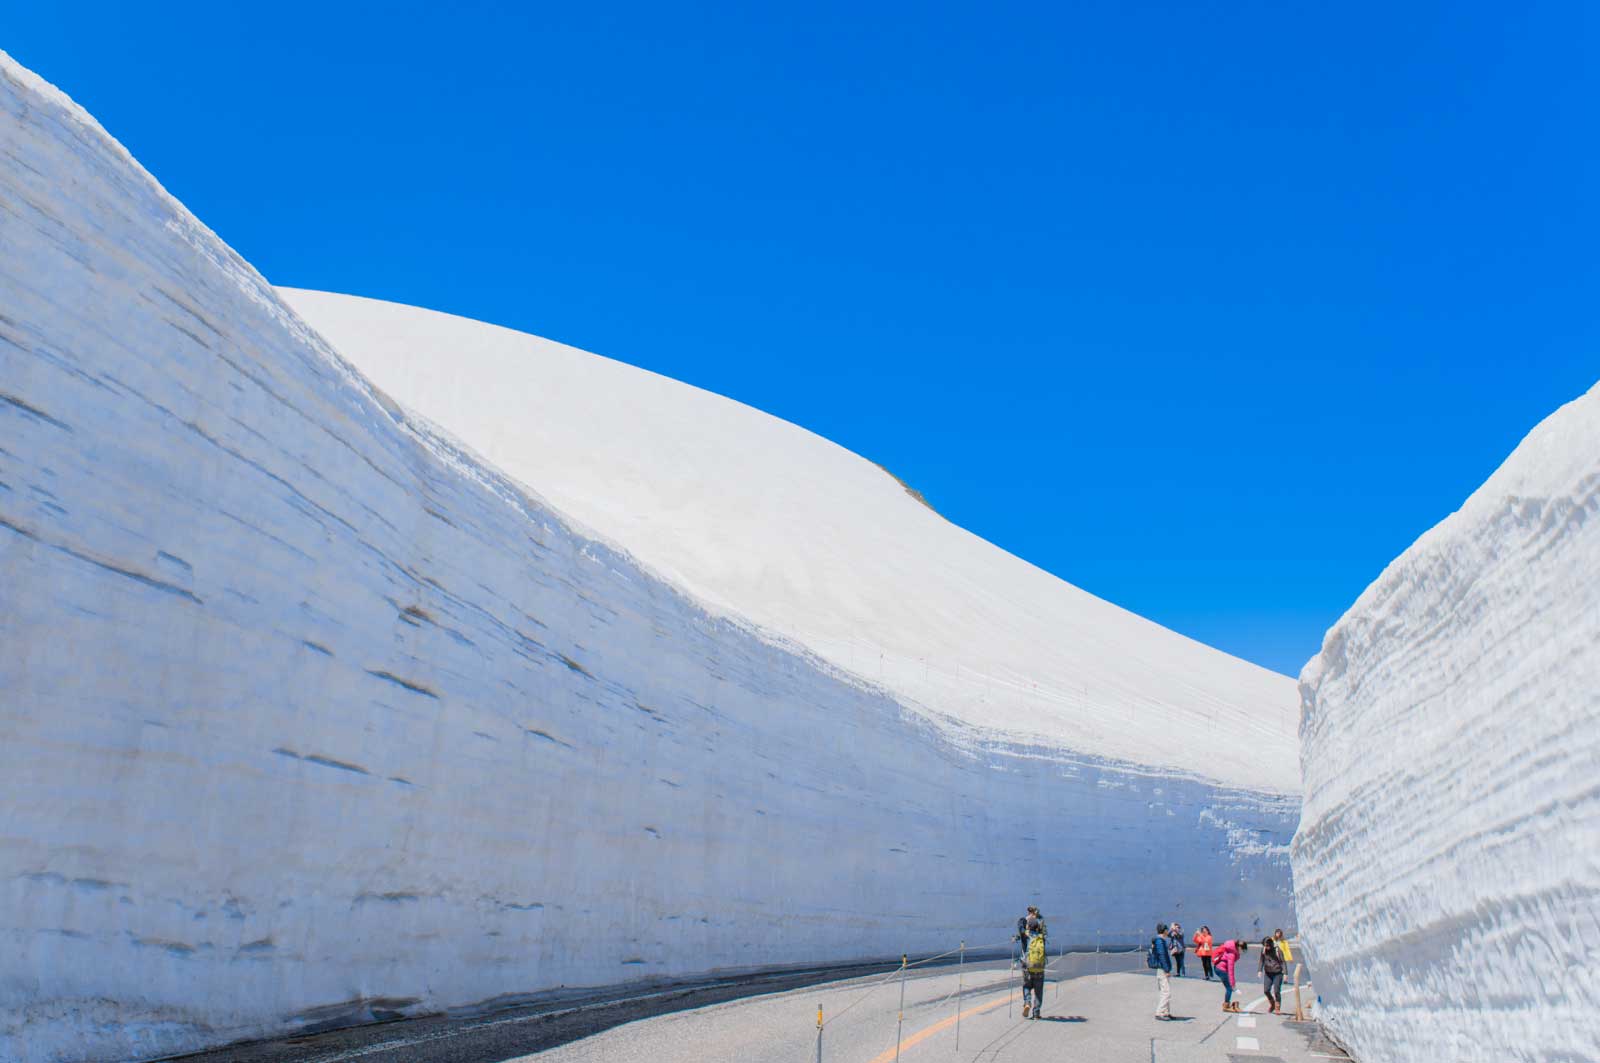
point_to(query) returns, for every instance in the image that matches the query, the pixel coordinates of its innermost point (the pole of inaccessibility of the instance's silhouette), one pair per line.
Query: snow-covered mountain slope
(1447, 869)
(309, 716)
(762, 520)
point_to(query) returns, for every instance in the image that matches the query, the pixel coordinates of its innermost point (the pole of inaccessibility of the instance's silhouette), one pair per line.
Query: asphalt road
(1097, 1008)
(1106, 1019)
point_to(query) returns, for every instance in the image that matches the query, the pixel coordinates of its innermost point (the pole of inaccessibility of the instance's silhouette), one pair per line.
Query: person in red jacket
(1202, 949)
(1224, 959)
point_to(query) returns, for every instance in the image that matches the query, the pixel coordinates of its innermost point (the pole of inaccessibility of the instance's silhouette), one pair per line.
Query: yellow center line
(887, 1056)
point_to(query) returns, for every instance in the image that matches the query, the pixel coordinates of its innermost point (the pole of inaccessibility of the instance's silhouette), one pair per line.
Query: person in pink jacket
(1224, 959)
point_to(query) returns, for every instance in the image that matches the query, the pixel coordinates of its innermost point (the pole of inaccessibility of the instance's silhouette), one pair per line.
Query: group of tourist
(1219, 961)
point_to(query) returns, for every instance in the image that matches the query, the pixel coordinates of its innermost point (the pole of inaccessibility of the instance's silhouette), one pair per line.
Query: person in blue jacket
(1160, 958)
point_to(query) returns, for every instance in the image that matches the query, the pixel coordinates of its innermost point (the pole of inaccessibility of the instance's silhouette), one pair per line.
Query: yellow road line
(943, 1024)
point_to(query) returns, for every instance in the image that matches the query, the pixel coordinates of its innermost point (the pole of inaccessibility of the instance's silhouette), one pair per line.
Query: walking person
(1022, 928)
(1035, 953)
(1224, 960)
(1160, 958)
(1202, 949)
(1272, 975)
(1175, 936)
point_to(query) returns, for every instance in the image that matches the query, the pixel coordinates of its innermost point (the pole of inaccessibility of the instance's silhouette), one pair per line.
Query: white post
(901, 1023)
(819, 1033)
(961, 984)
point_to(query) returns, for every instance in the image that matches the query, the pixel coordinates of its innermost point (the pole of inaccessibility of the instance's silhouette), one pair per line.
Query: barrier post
(819, 1033)
(1097, 957)
(901, 1022)
(1299, 1005)
(961, 984)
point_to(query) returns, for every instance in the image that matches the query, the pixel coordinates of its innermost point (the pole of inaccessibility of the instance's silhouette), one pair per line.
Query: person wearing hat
(1035, 955)
(1022, 923)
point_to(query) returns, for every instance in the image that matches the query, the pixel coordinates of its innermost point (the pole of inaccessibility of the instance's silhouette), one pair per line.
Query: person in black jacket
(1272, 975)
(1176, 947)
(1022, 924)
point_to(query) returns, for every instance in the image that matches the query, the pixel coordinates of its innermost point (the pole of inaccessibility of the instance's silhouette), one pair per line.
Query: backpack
(1036, 953)
(1150, 960)
(1271, 962)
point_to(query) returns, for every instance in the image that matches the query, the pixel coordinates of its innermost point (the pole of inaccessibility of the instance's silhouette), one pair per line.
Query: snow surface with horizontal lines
(763, 520)
(310, 716)
(1447, 868)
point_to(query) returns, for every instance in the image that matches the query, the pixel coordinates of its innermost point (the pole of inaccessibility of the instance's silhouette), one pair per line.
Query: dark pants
(1272, 985)
(1205, 965)
(1177, 963)
(1034, 981)
(1227, 985)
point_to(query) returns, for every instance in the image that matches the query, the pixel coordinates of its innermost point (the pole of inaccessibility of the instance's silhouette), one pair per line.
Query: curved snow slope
(1447, 868)
(309, 717)
(765, 521)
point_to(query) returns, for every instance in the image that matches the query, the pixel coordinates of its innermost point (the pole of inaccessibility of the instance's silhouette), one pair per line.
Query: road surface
(1098, 1007)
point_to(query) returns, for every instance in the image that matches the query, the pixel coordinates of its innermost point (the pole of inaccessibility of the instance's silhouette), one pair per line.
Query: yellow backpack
(1036, 953)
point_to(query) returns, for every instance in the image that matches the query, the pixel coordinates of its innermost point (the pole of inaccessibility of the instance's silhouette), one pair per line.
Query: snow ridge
(818, 547)
(1447, 867)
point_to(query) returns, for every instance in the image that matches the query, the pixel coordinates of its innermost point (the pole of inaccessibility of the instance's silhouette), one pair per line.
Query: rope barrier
(885, 980)
(896, 973)
(1132, 940)
(930, 959)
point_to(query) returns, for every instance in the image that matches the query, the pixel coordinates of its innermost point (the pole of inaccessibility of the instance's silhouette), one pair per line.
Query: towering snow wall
(308, 716)
(1447, 869)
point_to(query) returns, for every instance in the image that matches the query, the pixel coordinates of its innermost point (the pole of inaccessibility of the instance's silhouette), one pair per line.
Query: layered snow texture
(310, 717)
(1447, 869)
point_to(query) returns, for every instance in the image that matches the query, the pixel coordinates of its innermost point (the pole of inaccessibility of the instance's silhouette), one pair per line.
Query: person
(1022, 927)
(1034, 956)
(1202, 949)
(1175, 935)
(1224, 959)
(1284, 950)
(1272, 975)
(1160, 958)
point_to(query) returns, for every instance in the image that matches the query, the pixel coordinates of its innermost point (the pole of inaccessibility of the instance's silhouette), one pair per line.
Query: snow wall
(1447, 869)
(310, 718)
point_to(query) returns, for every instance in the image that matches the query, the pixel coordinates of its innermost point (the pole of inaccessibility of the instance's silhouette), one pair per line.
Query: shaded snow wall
(1447, 869)
(309, 718)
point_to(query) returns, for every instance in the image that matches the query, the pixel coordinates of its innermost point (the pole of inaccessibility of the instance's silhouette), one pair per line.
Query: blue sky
(1210, 309)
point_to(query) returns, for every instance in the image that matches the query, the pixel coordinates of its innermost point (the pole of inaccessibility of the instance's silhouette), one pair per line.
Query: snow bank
(308, 716)
(1447, 869)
